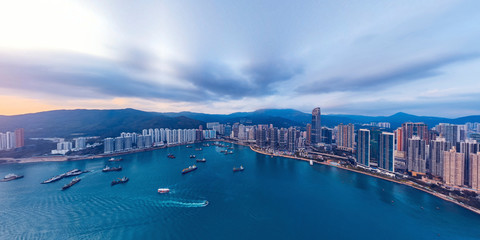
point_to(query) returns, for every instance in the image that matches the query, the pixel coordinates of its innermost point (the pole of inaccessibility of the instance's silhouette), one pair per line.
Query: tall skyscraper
(468, 147)
(435, 160)
(108, 145)
(261, 137)
(363, 147)
(346, 137)
(19, 137)
(386, 154)
(414, 129)
(309, 134)
(327, 135)
(416, 161)
(80, 143)
(316, 133)
(453, 168)
(475, 171)
(292, 139)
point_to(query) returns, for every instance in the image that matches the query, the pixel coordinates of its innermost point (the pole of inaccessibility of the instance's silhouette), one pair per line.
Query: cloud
(398, 75)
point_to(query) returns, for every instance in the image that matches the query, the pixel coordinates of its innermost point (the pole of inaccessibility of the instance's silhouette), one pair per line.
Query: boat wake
(179, 204)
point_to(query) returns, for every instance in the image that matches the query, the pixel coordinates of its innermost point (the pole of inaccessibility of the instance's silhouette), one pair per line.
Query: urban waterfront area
(273, 197)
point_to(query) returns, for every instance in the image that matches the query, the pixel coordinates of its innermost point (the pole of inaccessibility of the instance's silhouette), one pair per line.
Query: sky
(347, 57)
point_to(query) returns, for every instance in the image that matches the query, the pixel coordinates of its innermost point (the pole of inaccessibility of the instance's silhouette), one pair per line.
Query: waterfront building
(386, 154)
(158, 137)
(292, 139)
(147, 141)
(346, 137)
(63, 147)
(3, 141)
(282, 138)
(19, 137)
(228, 130)
(11, 140)
(375, 135)
(453, 168)
(242, 133)
(108, 145)
(475, 171)
(435, 160)
(309, 134)
(261, 138)
(316, 131)
(273, 137)
(145, 132)
(140, 141)
(416, 157)
(399, 144)
(80, 143)
(363, 147)
(128, 142)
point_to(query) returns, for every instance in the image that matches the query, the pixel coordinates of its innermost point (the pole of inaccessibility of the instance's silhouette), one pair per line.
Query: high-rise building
(11, 141)
(363, 147)
(273, 137)
(435, 160)
(327, 135)
(399, 139)
(386, 154)
(19, 137)
(292, 139)
(282, 138)
(309, 134)
(475, 171)
(108, 145)
(316, 132)
(375, 135)
(413, 129)
(453, 168)
(468, 147)
(346, 137)
(119, 144)
(261, 137)
(80, 143)
(416, 157)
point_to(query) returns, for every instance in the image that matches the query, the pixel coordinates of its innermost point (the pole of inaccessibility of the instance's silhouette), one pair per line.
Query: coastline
(409, 183)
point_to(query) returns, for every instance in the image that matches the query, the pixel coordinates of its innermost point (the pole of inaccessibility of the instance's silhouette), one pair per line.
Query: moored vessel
(112, 169)
(120, 180)
(201, 160)
(189, 169)
(192, 156)
(115, 159)
(73, 182)
(170, 155)
(10, 177)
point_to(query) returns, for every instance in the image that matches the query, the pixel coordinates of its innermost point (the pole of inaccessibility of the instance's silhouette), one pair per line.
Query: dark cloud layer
(392, 77)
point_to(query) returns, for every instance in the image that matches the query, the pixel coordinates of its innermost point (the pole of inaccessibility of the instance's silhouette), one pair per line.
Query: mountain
(103, 123)
(110, 123)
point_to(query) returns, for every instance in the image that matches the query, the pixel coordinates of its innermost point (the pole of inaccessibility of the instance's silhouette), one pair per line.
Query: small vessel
(231, 152)
(206, 203)
(206, 145)
(115, 159)
(73, 182)
(192, 156)
(201, 160)
(230, 148)
(170, 155)
(54, 179)
(189, 146)
(238, 169)
(112, 169)
(311, 163)
(198, 149)
(74, 172)
(11, 177)
(120, 180)
(163, 190)
(223, 151)
(189, 169)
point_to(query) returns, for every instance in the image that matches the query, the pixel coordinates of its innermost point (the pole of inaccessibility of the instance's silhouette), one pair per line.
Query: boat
(198, 149)
(74, 172)
(189, 146)
(201, 160)
(230, 148)
(54, 179)
(112, 169)
(223, 151)
(11, 177)
(231, 152)
(192, 156)
(163, 190)
(73, 182)
(120, 180)
(189, 169)
(170, 155)
(115, 159)
(206, 145)
(311, 163)
(241, 168)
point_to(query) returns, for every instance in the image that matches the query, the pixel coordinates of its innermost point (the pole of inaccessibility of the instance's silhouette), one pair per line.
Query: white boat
(163, 190)
(311, 163)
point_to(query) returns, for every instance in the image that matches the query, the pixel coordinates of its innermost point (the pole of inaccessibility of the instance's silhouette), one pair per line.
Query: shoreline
(409, 184)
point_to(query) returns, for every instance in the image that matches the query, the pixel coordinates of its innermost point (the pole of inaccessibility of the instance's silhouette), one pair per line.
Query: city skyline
(349, 58)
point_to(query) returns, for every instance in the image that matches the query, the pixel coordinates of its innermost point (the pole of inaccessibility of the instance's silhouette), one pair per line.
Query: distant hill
(109, 123)
(104, 123)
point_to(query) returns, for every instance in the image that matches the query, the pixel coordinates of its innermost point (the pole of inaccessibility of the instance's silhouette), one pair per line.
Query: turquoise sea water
(274, 198)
